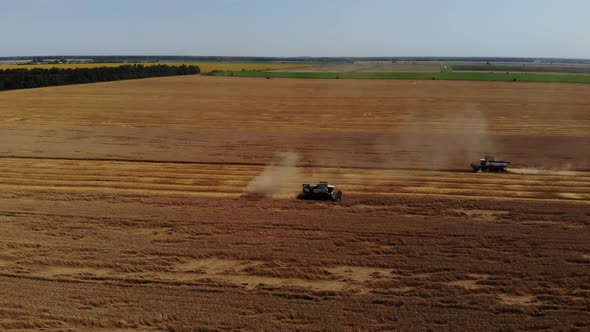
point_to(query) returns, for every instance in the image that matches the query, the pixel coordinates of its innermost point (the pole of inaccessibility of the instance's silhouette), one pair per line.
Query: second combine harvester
(490, 164)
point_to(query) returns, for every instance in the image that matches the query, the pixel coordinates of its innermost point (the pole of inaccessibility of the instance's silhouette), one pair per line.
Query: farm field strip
(348, 68)
(304, 105)
(197, 179)
(202, 179)
(163, 168)
(360, 177)
(191, 170)
(341, 121)
(207, 192)
(466, 76)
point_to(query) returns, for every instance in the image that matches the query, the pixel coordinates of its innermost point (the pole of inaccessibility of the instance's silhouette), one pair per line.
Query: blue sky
(524, 28)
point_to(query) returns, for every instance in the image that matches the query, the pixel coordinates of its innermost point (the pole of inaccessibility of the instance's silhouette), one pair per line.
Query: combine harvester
(490, 164)
(321, 191)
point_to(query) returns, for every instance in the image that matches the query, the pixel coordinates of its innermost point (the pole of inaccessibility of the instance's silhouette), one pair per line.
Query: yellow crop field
(206, 67)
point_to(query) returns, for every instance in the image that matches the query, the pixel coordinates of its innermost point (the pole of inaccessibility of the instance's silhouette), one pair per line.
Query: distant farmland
(465, 76)
(431, 70)
(205, 67)
(408, 71)
(571, 69)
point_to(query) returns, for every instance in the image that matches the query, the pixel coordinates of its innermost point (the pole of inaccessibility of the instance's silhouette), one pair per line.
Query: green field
(522, 68)
(561, 78)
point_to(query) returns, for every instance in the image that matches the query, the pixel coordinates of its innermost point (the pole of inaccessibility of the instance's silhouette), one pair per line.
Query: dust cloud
(537, 171)
(438, 140)
(277, 178)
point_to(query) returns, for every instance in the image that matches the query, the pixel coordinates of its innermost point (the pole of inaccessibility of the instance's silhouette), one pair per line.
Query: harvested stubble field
(125, 205)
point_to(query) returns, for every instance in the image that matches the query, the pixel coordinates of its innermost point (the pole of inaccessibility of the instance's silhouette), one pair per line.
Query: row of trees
(37, 77)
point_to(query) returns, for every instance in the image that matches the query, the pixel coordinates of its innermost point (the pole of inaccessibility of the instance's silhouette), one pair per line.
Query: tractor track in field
(238, 163)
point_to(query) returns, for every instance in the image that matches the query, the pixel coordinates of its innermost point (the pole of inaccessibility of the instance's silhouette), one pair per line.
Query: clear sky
(521, 28)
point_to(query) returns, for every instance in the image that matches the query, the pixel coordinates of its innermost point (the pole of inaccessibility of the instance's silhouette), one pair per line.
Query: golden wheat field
(205, 67)
(170, 204)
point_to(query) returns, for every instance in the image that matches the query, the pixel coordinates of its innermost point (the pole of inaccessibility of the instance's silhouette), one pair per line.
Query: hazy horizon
(81, 56)
(290, 28)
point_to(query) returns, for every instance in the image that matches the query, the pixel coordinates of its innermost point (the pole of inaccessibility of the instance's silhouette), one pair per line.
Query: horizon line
(292, 57)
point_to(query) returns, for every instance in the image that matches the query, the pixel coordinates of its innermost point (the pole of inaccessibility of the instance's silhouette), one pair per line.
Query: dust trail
(439, 140)
(277, 179)
(539, 171)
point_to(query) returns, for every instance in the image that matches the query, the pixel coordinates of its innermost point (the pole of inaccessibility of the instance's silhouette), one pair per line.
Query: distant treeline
(36, 78)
